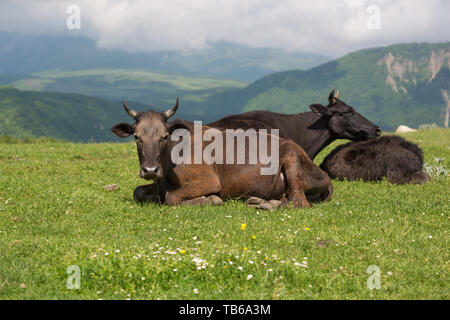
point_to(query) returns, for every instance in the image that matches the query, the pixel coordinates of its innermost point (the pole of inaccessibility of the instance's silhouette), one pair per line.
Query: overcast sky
(327, 27)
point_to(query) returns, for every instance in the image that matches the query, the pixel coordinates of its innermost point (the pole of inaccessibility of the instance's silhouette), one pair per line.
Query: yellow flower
(245, 249)
(306, 229)
(183, 251)
(253, 236)
(243, 226)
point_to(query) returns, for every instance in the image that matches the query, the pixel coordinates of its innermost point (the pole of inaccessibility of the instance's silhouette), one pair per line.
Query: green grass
(55, 212)
(144, 76)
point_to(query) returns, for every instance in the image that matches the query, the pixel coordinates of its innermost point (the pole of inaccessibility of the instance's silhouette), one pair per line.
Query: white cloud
(327, 27)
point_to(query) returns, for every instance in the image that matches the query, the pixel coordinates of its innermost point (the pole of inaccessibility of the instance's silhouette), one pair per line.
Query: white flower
(194, 238)
(117, 251)
(174, 270)
(240, 268)
(249, 277)
(195, 290)
(250, 261)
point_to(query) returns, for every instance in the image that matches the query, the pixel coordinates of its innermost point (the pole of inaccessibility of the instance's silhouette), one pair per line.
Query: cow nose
(378, 132)
(149, 172)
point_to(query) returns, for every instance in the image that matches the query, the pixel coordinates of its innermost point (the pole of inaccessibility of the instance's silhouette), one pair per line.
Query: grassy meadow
(55, 212)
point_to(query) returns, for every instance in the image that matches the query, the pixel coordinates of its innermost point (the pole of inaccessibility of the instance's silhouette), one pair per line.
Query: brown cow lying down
(392, 157)
(179, 184)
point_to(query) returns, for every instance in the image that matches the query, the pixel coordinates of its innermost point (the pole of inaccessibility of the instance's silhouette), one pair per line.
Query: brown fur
(297, 175)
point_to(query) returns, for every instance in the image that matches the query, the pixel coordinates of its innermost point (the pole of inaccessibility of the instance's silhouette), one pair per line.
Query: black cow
(392, 157)
(312, 131)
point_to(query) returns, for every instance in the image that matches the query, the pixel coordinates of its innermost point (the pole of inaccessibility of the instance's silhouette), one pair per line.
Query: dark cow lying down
(174, 184)
(392, 157)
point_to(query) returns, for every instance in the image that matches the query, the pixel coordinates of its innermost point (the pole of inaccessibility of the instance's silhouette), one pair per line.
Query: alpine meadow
(55, 212)
(232, 158)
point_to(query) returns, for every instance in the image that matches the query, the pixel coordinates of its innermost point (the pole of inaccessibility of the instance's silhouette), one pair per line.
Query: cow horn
(336, 95)
(331, 98)
(167, 114)
(130, 112)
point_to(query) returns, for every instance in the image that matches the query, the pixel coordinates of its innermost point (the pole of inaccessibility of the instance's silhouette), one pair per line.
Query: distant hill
(400, 84)
(60, 115)
(147, 87)
(25, 54)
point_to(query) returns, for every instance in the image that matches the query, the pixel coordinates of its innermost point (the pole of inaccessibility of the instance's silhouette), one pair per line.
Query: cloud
(327, 27)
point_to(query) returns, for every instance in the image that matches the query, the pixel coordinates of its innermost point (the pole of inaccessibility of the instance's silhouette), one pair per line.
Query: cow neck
(311, 133)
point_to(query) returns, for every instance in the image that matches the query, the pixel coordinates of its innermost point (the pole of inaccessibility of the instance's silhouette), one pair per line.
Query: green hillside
(399, 84)
(144, 86)
(64, 116)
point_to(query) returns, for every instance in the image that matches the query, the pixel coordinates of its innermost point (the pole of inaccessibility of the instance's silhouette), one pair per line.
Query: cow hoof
(139, 194)
(265, 206)
(214, 200)
(420, 178)
(254, 201)
(275, 203)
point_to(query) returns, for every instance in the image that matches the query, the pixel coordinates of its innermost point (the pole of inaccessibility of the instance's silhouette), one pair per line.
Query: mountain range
(26, 54)
(399, 84)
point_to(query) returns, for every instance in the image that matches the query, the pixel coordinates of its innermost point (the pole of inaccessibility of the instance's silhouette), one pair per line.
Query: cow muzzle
(148, 172)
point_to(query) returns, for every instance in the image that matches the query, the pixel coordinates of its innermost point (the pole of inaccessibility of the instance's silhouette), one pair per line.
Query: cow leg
(255, 202)
(295, 178)
(146, 193)
(212, 200)
(197, 190)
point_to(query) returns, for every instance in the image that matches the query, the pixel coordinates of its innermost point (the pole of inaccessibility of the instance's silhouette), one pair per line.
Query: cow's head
(151, 132)
(344, 122)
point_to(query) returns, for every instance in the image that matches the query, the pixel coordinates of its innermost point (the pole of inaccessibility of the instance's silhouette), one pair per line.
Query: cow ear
(320, 110)
(123, 130)
(177, 125)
